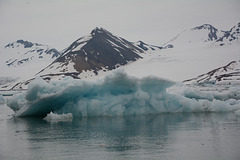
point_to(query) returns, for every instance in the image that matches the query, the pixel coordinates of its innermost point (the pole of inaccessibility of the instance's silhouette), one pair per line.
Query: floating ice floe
(237, 112)
(119, 94)
(58, 117)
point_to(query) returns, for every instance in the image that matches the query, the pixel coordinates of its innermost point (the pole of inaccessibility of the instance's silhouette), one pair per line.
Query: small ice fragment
(58, 117)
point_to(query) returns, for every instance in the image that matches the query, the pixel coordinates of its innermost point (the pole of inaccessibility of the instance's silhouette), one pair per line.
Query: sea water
(172, 136)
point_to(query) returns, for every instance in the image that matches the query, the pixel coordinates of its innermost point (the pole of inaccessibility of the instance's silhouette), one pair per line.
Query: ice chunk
(118, 94)
(237, 112)
(58, 117)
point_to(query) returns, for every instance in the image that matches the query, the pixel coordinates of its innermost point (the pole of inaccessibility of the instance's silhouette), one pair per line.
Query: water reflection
(169, 136)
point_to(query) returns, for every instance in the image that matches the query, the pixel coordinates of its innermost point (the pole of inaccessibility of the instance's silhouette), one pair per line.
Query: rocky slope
(232, 36)
(225, 75)
(98, 52)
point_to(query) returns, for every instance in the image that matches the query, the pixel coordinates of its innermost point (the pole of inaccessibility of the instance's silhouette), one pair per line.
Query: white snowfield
(185, 63)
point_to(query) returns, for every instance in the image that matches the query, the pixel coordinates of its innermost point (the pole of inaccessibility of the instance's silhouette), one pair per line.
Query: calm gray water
(165, 137)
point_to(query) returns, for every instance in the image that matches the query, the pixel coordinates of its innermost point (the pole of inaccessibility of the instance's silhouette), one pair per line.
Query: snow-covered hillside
(205, 35)
(195, 37)
(229, 74)
(179, 65)
(20, 53)
(21, 60)
(193, 53)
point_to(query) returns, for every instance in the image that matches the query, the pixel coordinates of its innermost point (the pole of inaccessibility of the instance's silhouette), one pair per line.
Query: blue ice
(115, 95)
(2, 100)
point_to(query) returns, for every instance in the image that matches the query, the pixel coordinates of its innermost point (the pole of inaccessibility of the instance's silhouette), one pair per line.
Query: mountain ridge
(205, 33)
(225, 74)
(96, 52)
(100, 52)
(21, 52)
(232, 35)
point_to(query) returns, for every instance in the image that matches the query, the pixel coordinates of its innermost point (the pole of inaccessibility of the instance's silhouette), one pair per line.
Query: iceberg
(117, 94)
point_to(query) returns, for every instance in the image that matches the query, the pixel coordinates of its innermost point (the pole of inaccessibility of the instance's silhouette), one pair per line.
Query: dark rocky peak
(231, 35)
(146, 46)
(100, 39)
(98, 51)
(205, 26)
(26, 44)
(97, 31)
(212, 31)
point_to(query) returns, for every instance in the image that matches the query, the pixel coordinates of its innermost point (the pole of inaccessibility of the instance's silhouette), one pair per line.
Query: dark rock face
(231, 35)
(101, 49)
(101, 52)
(26, 44)
(212, 36)
(142, 45)
(147, 47)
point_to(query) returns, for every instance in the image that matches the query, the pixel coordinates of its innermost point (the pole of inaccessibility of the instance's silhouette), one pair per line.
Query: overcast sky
(59, 22)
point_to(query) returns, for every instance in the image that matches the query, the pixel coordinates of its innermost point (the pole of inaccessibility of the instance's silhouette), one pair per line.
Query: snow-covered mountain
(232, 36)
(204, 35)
(89, 56)
(21, 60)
(196, 36)
(95, 53)
(225, 75)
(22, 52)
(191, 53)
(101, 52)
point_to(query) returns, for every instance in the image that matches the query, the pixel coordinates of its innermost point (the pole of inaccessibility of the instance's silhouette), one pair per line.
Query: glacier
(119, 94)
